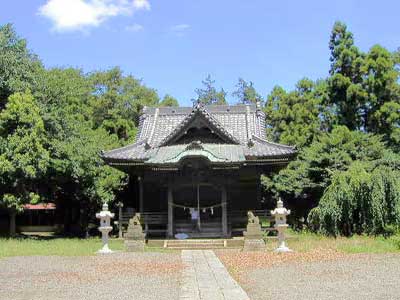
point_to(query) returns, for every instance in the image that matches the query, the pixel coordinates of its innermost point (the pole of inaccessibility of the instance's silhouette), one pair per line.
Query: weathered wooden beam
(141, 204)
(224, 200)
(170, 212)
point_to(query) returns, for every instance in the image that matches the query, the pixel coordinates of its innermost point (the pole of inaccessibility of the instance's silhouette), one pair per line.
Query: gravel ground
(366, 276)
(316, 275)
(117, 276)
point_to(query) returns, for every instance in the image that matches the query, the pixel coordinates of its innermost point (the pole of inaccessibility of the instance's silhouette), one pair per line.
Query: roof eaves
(110, 154)
(293, 148)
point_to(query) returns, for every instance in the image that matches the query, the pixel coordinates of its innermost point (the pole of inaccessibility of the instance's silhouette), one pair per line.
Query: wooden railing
(153, 222)
(157, 222)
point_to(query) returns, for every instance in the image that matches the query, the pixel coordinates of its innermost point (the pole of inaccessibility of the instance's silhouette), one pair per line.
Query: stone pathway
(205, 277)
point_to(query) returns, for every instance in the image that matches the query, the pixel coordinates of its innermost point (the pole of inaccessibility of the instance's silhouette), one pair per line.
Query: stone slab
(205, 277)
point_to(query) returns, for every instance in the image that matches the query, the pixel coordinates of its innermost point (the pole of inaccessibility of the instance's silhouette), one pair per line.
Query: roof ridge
(153, 127)
(248, 132)
(212, 108)
(199, 109)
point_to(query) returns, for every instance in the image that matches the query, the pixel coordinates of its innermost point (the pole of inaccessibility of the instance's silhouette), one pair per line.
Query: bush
(359, 201)
(314, 220)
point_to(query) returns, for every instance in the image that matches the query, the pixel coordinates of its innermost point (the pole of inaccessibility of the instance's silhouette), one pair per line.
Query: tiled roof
(233, 118)
(202, 113)
(240, 127)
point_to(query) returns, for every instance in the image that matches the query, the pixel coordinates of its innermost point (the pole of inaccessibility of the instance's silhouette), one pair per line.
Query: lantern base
(283, 249)
(105, 250)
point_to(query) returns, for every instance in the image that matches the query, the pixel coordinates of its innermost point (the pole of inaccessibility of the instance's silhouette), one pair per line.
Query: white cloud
(141, 4)
(134, 27)
(69, 15)
(179, 29)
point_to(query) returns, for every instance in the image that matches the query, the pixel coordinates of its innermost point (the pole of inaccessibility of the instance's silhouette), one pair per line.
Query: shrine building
(196, 170)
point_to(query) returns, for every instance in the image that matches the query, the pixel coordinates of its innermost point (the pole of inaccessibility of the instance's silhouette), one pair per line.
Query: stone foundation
(134, 245)
(254, 245)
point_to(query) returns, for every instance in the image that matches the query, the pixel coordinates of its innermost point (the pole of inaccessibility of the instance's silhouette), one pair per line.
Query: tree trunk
(13, 232)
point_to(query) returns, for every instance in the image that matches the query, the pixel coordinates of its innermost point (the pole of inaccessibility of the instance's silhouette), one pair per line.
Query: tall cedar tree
(208, 94)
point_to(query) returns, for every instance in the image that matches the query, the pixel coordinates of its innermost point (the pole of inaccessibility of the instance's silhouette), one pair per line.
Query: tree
(382, 110)
(76, 176)
(209, 95)
(306, 178)
(79, 174)
(23, 157)
(346, 93)
(359, 200)
(18, 65)
(245, 92)
(169, 101)
(388, 119)
(63, 96)
(295, 118)
(118, 100)
(363, 87)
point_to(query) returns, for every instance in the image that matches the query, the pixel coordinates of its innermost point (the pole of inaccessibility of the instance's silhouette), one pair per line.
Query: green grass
(54, 246)
(300, 242)
(305, 241)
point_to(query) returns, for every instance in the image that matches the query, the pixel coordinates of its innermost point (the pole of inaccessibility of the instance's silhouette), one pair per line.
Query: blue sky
(173, 44)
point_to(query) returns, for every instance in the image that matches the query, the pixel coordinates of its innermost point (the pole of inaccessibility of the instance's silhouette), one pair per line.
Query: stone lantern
(105, 220)
(280, 214)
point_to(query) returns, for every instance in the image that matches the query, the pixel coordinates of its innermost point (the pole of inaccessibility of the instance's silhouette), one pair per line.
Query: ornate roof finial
(250, 143)
(147, 146)
(198, 104)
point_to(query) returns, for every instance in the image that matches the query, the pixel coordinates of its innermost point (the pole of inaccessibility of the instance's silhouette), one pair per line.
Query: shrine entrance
(197, 210)
(197, 203)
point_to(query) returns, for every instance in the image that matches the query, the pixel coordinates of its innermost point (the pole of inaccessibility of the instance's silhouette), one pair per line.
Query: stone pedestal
(105, 216)
(281, 238)
(253, 236)
(104, 238)
(135, 238)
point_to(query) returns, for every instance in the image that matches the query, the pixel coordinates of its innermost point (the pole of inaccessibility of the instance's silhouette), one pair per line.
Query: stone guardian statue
(253, 236)
(134, 237)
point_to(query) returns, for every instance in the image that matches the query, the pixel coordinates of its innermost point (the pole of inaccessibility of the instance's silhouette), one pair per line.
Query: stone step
(195, 247)
(196, 241)
(195, 244)
(205, 235)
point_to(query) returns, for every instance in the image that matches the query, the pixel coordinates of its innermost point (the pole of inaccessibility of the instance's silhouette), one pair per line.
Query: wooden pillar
(259, 191)
(170, 212)
(224, 211)
(120, 205)
(140, 181)
(198, 208)
(13, 226)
